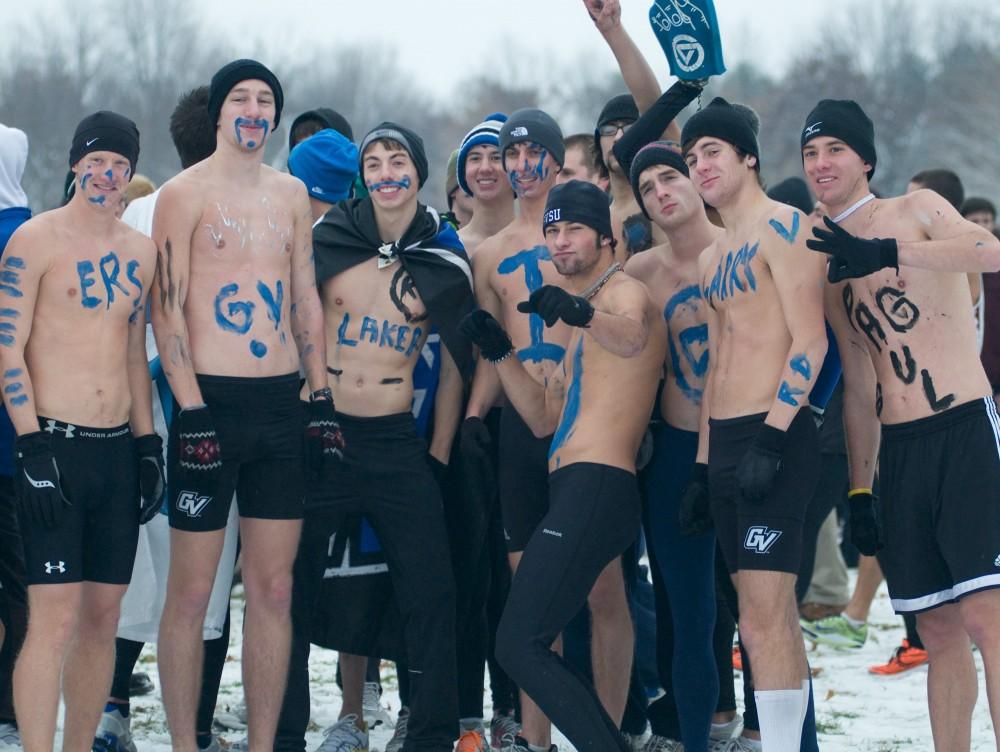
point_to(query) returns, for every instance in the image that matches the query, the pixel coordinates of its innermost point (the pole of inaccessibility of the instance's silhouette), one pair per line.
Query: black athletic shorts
(97, 534)
(766, 536)
(261, 434)
(522, 480)
(940, 506)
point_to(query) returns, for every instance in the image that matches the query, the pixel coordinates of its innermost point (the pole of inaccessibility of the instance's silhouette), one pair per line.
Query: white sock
(853, 622)
(780, 714)
(806, 686)
(721, 731)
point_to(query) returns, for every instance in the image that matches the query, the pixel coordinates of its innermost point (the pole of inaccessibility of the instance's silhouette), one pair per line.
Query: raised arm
(20, 276)
(954, 244)
(656, 123)
(307, 310)
(638, 75)
(798, 277)
(173, 227)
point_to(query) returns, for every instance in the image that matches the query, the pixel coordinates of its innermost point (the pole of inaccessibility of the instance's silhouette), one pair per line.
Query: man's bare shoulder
(784, 221)
(494, 246)
(284, 183)
(647, 262)
(133, 239)
(625, 288)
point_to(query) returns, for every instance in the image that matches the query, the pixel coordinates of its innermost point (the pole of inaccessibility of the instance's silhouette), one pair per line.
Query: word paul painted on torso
(530, 261)
(237, 316)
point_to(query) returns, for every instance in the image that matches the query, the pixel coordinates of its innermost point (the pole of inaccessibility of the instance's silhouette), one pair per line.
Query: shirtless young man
(632, 227)
(235, 312)
(388, 271)
(72, 292)
(678, 536)
(481, 175)
(899, 306)
(767, 342)
(617, 347)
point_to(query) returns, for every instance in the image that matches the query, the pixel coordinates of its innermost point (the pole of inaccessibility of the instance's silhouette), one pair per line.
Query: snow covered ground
(856, 711)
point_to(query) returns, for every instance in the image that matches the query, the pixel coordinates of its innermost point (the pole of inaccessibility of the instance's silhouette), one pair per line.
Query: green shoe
(835, 631)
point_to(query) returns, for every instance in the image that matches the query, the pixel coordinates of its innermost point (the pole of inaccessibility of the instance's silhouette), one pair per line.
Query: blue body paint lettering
(130, 275)
(417, 332)
(10, 313)
(6, 340)
(12, 373)
(726, 282)
(110, 262)
(389, 333)
(369, 328)
(11, 278)
(787, 394)
(273, 302)
(801, 365)
(84, 270)
(19, 400)
(342, 332)
(6, 326)
(14, 262)
(400, 345)
(13, 388)
(403, 184)
(259, 349)
(530, 259)
(235, 309)
(788, 235)
(688, 338)
(571, 409)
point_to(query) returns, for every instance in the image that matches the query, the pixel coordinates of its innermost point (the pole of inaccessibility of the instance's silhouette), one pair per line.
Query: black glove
(151, 476)
(865, 532)
(852, 256)
(199, 456)
(695, 513)
(474, 439)
(485, 331)
(324, 441)
(39, 490)
(756, 472)
(553, 303)
(438, 469)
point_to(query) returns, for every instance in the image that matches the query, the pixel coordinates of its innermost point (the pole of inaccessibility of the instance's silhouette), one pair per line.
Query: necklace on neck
(596, 287)
(853, 208)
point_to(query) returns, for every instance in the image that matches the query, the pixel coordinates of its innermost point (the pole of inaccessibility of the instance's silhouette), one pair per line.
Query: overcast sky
(443, 41)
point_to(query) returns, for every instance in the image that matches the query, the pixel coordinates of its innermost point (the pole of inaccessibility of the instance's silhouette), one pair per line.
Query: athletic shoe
(817, 611)
(375, 712)
(346, 735)
(739, 744)
(140, 684)
(737, 658)
(905, 658)
(513, 743)
(10, 737)
(721, 734)
(637, 742)
(472, 740)
(114, 733)
(399, 735)
(658, 743)
(835, 631)
(234, 717)
(500, 726)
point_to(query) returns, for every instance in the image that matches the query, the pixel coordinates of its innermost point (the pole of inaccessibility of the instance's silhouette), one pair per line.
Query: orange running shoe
(737, 658)
(473, 740)
(905, 658)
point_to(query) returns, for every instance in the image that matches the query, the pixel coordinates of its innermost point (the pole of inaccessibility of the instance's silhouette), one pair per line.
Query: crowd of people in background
(610, 427)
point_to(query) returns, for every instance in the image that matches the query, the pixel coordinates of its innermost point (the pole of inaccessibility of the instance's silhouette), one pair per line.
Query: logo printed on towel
(689, 52)
(760, 539)
(191, 503)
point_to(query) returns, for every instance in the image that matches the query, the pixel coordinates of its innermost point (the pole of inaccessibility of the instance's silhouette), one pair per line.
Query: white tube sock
(781, 712)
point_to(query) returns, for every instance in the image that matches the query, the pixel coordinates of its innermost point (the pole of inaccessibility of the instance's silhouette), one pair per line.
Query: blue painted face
(258, 128)
(529, 171)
